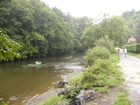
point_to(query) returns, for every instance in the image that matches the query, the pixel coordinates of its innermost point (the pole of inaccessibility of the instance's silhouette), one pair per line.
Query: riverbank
(108, 95)
(36, 100)
(131, 73)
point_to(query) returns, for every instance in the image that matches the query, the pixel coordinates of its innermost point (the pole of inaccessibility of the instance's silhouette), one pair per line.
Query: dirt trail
(130, 66)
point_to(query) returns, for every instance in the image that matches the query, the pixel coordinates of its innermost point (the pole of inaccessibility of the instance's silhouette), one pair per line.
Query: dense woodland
(29, 28)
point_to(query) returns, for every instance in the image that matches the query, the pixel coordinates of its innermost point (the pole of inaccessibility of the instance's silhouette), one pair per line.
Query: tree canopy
(8, 48)
(43, 31)
(39, 29)
(113, 27)
(133, 21)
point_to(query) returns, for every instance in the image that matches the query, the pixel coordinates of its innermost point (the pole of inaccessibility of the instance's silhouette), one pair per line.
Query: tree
(106, 42)
(132, 19)
(36, 27)
(114, 27)
(9, 48)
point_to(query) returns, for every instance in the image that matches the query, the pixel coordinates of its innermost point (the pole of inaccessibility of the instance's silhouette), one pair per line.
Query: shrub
(96, 53)
(133, 47)
(106, 42)
(103, 73)
(76, 80)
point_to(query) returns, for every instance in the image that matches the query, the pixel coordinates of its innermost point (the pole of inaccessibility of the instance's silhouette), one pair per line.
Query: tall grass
(52, 100)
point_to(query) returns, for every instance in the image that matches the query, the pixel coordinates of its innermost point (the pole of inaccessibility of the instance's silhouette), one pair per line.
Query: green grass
(76, 80)
(101, 89)
(114, 58)
(122, 100)
(134, 54)
(102, 74)
(52, 100)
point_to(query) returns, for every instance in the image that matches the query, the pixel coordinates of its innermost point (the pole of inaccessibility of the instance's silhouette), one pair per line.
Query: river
(21, 81)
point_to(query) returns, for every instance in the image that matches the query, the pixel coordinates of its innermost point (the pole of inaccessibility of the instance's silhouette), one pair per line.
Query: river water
(23, 80)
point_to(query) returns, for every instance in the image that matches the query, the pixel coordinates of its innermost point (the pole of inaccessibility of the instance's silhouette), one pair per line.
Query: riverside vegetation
(101, 75)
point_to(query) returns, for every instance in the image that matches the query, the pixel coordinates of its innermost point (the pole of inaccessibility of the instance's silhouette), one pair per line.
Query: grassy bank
(134, 54)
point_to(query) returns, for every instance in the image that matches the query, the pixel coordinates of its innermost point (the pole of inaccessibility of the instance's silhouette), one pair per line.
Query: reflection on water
(23, 80)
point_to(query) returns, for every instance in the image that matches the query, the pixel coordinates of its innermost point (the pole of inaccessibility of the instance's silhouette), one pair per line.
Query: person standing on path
(119, 53)
(125, 52)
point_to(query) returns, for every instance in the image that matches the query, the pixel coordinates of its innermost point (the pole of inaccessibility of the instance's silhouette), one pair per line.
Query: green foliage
(39, 29)
(76, 27)
(114, 27)
(52, 100)
(114, 59)
(133, 47)
(88, 38)
(9, 48)
(106, 42)
(134, 54)
(74, 92)
(103, 73)
(3, 103)
(133, 19)
(122, 100)
(76, 80)
(101, 89)
(96, 53)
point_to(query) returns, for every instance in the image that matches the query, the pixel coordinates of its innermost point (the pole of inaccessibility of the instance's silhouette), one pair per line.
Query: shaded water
(22, 80)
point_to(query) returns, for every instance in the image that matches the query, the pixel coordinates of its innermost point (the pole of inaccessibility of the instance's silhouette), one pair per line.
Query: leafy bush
(133, 47)
(103, 73)
(76, 80)
(106, 42)
(73, 93)
(96, 53)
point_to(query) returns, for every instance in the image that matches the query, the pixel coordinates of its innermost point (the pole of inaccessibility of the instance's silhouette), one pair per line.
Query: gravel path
(130, 66)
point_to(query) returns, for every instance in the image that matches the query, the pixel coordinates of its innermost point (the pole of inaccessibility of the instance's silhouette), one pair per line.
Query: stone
(61, 84)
